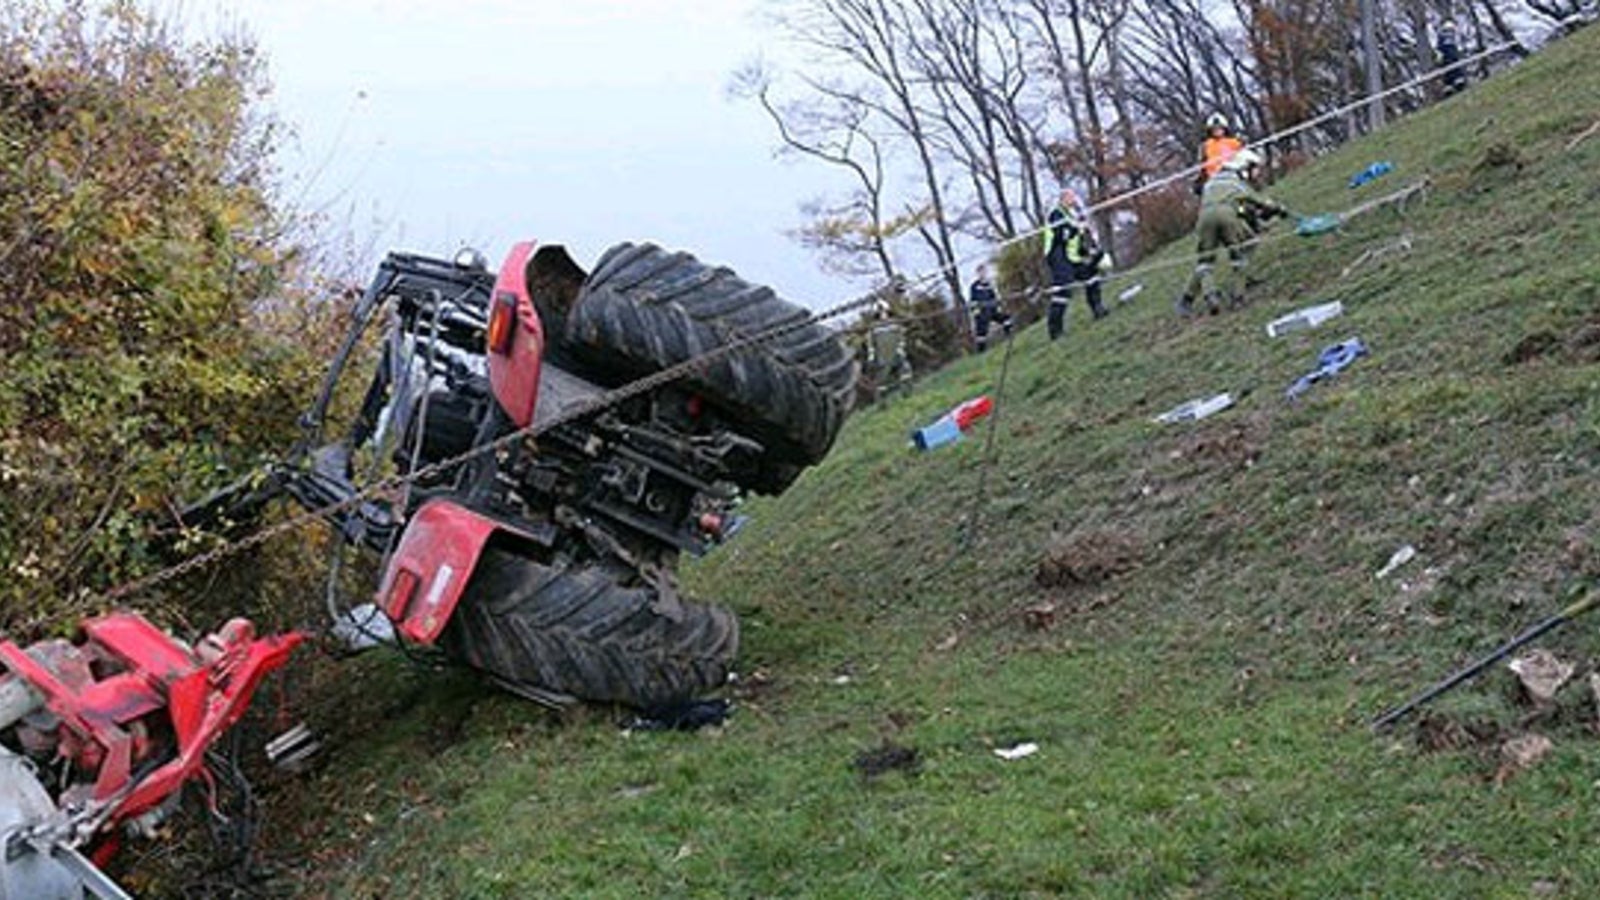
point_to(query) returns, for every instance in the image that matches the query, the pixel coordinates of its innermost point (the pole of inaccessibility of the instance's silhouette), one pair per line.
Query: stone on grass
(1541, 674)
(1521, 752)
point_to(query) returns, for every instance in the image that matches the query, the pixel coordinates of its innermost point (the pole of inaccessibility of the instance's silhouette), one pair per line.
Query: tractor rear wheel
(644, 309)
(580, 632)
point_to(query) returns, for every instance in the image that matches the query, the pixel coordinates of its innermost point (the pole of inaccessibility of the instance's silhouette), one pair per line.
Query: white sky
(584, 122)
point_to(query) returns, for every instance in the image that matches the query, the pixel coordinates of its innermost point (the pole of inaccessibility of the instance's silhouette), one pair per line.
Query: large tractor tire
(579, 632)
(644, 309)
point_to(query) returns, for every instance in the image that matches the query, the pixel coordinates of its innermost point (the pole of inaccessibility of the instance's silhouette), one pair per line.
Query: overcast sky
(584, 122)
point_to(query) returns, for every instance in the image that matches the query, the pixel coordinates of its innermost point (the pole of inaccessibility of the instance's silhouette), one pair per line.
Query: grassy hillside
(1208, 638)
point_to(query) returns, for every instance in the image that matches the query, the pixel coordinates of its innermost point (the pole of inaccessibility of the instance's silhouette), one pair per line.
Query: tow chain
(603, 401)
(577, 411)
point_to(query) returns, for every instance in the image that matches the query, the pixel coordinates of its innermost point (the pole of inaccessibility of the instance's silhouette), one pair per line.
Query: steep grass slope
(1197, 672)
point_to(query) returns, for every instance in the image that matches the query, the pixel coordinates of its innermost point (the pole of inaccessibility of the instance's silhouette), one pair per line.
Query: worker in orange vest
(1220, 145)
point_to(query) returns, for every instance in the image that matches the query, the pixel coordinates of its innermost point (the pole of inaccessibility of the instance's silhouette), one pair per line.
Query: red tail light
(400, 593)
(502, 323)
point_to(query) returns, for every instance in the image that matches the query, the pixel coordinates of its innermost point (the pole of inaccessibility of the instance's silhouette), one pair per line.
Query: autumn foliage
(143, 274)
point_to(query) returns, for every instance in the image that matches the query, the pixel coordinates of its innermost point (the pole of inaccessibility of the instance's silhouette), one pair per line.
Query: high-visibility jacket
(1068, 235)
(982, 294)
(1216, 151)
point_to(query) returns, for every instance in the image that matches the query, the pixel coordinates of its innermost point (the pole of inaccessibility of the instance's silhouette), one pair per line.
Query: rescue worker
(1231, 213)
(1074, 257)
(986, 308)
(887, 362)
(1219, 146)
(1449, 51)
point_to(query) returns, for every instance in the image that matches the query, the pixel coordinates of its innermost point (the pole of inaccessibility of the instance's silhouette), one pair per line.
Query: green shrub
(143, 363)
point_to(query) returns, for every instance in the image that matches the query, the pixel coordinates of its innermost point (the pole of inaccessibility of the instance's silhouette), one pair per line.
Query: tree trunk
(1374, 63)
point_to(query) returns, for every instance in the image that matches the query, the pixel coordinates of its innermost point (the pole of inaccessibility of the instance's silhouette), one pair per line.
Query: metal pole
(1504, 650)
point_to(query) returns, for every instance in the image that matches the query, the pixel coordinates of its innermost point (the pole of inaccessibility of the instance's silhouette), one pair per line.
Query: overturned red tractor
(544, 510)
(540, 489)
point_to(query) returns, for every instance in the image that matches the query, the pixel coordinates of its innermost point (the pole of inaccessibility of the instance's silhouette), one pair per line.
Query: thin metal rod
(1566, 615)
(1399, 712)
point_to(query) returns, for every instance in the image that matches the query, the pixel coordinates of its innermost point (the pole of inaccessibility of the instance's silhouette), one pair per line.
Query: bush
(934, 333)
(139, 243)
(1022, 279)
(1164, 215)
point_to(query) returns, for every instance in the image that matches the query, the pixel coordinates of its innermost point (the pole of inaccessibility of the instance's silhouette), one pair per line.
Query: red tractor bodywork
(134, 710)
(442, 540)
(432, 565)
(515, 339)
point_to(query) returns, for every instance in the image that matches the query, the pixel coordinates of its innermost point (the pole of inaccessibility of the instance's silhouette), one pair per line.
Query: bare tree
(866, 38)
(834, 133)
(968, 57)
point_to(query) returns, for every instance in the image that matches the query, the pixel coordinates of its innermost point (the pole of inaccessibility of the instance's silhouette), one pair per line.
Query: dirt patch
(1500, 156)
(1531, 347)
(1584, 344)
(1235, 445)
(1581, 345)
(1456, 856)
(1223, 446)
(448, 729)
(1087, 559)
(1581, 554)
(887, 757)
(1438, 733)
(757, 686)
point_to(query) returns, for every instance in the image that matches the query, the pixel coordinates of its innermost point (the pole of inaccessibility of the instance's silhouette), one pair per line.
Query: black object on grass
(1566, 615)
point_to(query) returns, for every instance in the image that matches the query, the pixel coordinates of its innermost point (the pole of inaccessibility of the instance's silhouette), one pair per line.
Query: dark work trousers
(1455, 80)
(990, 313)
(1063, 275)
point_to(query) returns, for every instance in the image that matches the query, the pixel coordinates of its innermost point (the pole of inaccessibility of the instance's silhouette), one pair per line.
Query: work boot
(1185, 306)
(1213, 302)
(1098, 310)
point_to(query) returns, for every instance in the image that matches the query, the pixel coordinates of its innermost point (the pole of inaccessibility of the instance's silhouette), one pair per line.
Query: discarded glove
(1321, 223)
(1333, 360)
(1371, 173)
(692, 715)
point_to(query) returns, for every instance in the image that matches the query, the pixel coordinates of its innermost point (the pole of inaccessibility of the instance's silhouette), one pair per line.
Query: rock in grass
(1541, 674)
(1519, 753)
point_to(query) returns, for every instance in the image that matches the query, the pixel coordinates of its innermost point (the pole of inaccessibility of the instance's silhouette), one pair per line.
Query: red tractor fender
(432, 565)
(515, 338)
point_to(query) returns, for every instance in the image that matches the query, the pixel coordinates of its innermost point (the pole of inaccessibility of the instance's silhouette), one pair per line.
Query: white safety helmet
(1242, 161)
(1217, 120)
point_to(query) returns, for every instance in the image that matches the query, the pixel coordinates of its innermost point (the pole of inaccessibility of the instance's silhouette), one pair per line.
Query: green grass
(1201, 718)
